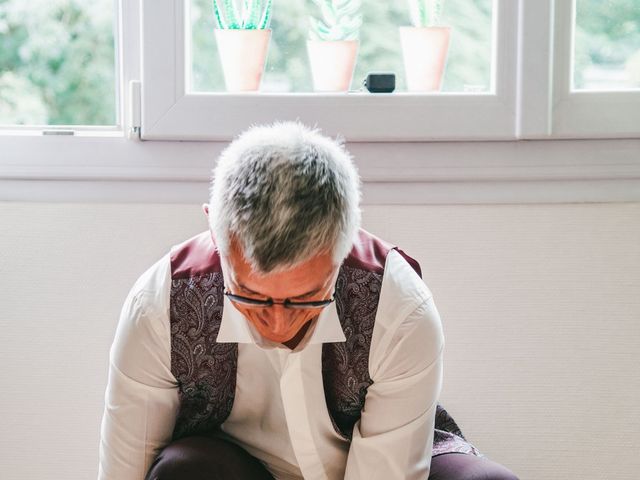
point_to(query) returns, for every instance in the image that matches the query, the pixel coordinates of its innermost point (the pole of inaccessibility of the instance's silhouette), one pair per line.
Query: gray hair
(285, 193)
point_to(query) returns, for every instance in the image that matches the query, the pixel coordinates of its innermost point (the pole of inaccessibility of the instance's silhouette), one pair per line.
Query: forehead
(300, 279)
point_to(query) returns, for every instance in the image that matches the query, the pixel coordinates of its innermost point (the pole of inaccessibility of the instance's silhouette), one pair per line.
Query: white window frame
(170, 112)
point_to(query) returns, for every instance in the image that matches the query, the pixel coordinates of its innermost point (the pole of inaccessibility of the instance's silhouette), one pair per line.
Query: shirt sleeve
(141, 398)
(394, 436)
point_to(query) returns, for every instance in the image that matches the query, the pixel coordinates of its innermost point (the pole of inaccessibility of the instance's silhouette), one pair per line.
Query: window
(543, 69)
(593, 94)
(171, 110)
(57, 63)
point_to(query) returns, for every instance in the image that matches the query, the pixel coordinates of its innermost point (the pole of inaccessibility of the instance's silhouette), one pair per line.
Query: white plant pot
(332, 64)
(424, 51)
(243, 55)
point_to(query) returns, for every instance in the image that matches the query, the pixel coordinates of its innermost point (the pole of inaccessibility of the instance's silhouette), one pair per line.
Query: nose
(279, 319)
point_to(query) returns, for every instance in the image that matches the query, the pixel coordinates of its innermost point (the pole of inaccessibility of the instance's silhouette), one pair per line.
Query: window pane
(607, 45)
(287, 68)
(57, 63)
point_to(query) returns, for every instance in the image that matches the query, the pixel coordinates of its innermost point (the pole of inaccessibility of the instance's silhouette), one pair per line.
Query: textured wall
(540, 305)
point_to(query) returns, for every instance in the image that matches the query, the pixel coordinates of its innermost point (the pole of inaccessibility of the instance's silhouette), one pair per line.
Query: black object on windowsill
(380, 82)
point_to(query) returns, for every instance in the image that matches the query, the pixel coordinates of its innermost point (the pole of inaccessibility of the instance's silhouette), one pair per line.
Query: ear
(205, 209)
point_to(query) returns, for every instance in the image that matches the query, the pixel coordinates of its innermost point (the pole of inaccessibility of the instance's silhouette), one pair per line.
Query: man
(284, 342)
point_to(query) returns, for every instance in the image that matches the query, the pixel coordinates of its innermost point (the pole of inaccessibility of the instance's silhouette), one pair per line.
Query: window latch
(135, 107)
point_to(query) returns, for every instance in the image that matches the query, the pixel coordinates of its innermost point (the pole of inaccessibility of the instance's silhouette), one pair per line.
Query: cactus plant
(254, 15)
(425, 13)
(340, 20)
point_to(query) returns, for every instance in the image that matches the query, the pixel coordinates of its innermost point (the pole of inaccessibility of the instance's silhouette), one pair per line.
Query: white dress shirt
(279, 414)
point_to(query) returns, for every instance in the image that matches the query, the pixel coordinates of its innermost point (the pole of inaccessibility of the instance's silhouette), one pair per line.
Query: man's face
(311, 280)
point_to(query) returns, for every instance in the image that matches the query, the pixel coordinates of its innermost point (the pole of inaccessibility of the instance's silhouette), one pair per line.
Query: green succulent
(425, 13)
(255, 15)
(340, 20)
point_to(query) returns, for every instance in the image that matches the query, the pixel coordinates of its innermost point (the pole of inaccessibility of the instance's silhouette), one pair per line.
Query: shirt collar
(234, 328)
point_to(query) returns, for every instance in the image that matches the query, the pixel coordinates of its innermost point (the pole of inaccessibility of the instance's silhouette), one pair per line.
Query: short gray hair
(285, 192)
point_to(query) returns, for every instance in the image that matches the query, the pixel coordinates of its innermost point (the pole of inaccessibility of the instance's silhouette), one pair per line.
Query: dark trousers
(206, 458)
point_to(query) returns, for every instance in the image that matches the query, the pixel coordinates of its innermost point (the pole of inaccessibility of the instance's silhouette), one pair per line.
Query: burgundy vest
(206, 370)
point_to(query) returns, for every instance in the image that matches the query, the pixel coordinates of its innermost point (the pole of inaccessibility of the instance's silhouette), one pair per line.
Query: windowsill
(112, 168)
(350, 93)
(361, 117)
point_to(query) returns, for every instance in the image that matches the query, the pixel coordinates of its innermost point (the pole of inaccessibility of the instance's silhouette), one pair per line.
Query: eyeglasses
(252, 302)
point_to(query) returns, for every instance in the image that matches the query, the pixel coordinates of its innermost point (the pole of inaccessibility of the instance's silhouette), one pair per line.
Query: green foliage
(254, 15)
(340, 20)
(425, 13)
(57, 62)
(469, 58)
(607, 36)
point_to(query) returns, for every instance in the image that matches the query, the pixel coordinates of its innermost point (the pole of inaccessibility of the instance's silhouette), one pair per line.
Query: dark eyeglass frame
(253, 302)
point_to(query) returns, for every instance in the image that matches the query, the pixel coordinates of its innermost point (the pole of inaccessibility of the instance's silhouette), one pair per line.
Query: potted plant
(424, 46)
(333, 43)
(243, 40)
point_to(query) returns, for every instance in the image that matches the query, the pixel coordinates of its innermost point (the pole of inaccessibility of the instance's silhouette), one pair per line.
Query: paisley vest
(206, 370)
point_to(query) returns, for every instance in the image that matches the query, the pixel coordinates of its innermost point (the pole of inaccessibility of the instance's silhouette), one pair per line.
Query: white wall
(540, 304)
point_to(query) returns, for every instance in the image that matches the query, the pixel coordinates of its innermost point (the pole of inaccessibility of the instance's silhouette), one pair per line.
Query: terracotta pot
(243, 54)
(332, 64)
(424, 51)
